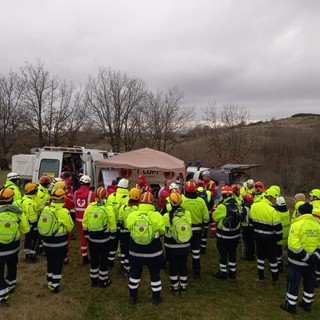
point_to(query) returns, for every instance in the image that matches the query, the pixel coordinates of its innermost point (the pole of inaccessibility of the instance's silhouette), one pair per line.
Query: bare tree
(115, 99)
(167, 119)
(11, 115)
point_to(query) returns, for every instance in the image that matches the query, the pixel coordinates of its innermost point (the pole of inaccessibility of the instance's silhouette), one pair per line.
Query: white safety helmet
(85, 179)
(281, 201)
(123, 183)
(173, 186)
(12, 176)
(55, 180)
(206, 173)
(250, 183)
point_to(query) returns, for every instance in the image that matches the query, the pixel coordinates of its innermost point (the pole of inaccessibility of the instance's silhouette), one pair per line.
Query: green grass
(207, 298)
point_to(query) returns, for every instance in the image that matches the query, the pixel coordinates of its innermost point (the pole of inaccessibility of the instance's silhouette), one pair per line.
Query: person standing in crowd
(43, 198)
(248, 187)
(146, 225)
(266, 223)
(82, 198)
(259, 191)
(315, 201)
(124, 211)
(12, 183)
(303, 255)
(98, 222)
(236, 193)
(281, 207)
(142, 184)
(200, 220)
(112, 188)
(163, 194)
(13, 222)
(117, 199)
(54, 224)
(246, 229)
(177, 243)
(29, 207)
(227, 216)
(209, 184)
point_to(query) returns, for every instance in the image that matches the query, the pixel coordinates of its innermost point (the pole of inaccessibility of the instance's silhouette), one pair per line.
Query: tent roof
(144, 159)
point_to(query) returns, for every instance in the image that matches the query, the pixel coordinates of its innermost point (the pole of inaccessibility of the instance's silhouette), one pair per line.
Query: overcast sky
(260, 54)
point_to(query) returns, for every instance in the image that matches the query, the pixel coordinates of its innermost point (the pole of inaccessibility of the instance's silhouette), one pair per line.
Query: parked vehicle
(52, 161)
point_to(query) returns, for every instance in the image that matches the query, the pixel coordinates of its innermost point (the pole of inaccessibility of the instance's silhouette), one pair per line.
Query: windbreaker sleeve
(157, 222)
(24, 224)
(277, 225)
(85, 219)
(112, 223)
(65, 219)
(219, 213)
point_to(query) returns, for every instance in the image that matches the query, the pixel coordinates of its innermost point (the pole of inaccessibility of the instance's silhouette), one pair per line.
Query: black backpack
(233, 217)
(203, 195)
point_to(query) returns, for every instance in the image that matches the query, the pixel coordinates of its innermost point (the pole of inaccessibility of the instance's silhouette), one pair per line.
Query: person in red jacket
(112, 188)
(143, 185)
(82, 198)
(163, 194)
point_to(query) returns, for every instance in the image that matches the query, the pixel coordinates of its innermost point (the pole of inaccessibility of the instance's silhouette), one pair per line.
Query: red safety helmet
(191, 186)
(226, 190)
(247, 198)
(259, 186)
(45, 180)
(235, 187)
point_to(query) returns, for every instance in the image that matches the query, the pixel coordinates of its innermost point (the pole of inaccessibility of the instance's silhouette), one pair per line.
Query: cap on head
(6, 195)
(147, 197)
(305, 208)
(30, 188)
(281, 201)
(134, 194)
(123, 183)
(272, 192)
(12, 176)
(191, 186)
(100, 193)
(300, 197)
(141, 177)
(175, 199)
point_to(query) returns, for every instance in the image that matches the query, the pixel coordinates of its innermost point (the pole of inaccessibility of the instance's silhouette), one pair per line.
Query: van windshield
(49, 167)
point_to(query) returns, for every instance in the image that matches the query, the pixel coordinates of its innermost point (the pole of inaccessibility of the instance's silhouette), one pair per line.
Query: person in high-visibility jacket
(281, 207)
(29, 207)
(259, 191)
(200, 220)
(303, 255)
(146, 225)
(247, 187)
(246, 229)
(12, 183)
(228, 234)
(13, 223)
(315, 201)
(43, 199)
(117, 199)
(98, 222)
(177, 243)
(124, 212)
(267, 227)
(55, 244)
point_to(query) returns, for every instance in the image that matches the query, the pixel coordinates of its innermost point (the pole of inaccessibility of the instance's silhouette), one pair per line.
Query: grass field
(207, 298)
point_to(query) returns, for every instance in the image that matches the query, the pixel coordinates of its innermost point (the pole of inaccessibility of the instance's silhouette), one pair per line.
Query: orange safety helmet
(134, 194)
(30, 188)
(175, 199)
(147, 197)
(259, 186)
(58, 194)
(6, 195)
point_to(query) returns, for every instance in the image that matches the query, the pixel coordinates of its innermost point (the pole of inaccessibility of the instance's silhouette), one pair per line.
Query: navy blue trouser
(195, 243)
(8, 282)
(294, 276)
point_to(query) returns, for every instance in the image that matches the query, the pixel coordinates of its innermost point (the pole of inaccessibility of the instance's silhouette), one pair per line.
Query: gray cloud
(260, 54)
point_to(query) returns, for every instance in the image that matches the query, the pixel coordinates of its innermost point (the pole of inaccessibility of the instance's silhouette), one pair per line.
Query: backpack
(232, 219)
(48, 223)
(203, 195)
(9, 225)
(142, 232)
(97, 219)
(181, 228)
